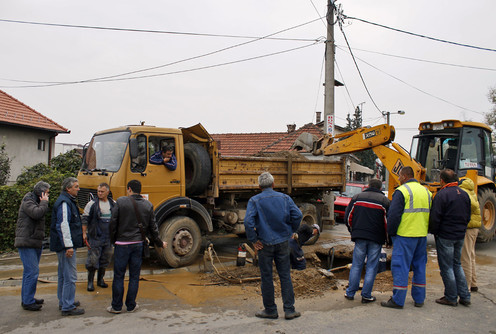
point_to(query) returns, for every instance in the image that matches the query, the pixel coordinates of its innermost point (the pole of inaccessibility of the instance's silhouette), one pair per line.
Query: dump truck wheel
(183, 237)
(487, 203)
(309, 212)
(197, 168)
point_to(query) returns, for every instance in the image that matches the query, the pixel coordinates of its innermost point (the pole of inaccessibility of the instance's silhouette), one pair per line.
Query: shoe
(368, 300)
(110, 309)
(91, 277)
(74, 311)
(418, 304)
(76, 304)
(263, 314)
(31, 307)
(474, 289)
(134, 309)
(349, 297)
(444, 301)
(291, 315)
(100, 282)
(464, 302)
(390, 303)
(39, 301)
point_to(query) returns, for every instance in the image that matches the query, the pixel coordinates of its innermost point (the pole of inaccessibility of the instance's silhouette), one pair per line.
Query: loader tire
(487, 203)
(197, 168)
(183, 237)
(309, 212)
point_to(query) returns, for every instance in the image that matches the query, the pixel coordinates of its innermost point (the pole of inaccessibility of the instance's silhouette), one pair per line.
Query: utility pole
(329, 118)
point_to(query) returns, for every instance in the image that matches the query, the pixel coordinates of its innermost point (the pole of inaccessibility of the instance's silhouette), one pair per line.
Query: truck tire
(309, 212)
(183, 237)
(487, 203)
(197, 168)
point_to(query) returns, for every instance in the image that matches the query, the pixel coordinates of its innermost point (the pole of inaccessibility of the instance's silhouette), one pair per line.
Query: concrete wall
(64, 148)
(22, 148)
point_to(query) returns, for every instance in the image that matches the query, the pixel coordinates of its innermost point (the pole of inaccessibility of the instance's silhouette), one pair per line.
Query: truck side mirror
(133, 148)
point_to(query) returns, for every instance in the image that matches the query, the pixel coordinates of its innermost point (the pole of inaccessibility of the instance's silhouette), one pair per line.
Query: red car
(344, 199)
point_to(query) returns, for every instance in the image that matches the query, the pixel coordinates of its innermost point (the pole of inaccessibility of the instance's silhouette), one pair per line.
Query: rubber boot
(91, 276)
(100, 282)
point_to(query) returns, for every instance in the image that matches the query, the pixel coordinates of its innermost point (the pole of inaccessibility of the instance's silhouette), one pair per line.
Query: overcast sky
(259, 95)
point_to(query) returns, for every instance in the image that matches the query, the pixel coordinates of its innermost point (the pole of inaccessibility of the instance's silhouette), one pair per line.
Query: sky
(266, 83)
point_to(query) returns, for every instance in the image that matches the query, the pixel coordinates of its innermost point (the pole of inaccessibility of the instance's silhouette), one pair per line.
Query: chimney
(291, 127)
(317, 117)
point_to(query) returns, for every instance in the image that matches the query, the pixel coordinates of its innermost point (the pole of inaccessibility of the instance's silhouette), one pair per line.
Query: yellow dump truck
(206, 193)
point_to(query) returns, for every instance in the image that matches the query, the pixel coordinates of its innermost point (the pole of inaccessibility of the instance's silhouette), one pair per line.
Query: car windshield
(105, 152)
(352, 190)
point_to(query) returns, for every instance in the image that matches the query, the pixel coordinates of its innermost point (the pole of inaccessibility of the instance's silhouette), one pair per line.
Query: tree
(367, 157)
(490, 117)
(4, 165)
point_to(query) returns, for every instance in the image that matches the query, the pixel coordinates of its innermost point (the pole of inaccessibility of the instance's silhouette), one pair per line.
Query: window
(138, 165)
(41, 144)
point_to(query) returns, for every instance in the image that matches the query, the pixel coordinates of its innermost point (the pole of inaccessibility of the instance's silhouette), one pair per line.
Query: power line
(358, 68)
(104, 78)
(344, 83)
(418, 35)
(168, 73)
(426, 61)
(151, 31)
(318, 87)
(418, 89)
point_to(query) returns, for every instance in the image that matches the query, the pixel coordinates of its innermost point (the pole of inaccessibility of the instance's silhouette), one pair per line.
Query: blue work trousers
(278, 253)
(30, 258)
(66, 288)
(408, 252)
(448, 258)
(125, 255)
(364, 249)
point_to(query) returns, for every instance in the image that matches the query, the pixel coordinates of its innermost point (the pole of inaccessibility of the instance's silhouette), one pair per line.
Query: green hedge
(11, 196)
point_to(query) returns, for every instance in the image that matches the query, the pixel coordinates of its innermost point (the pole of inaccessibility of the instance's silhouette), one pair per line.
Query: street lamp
(387, 114)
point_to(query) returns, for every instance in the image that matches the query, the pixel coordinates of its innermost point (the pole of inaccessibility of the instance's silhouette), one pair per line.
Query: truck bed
(290, 175)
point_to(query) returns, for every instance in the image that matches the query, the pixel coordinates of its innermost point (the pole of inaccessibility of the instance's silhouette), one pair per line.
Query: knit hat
(317, 227)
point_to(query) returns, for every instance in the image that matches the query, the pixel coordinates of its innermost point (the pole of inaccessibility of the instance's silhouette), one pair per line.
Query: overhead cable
(151, 31)
(419, 35)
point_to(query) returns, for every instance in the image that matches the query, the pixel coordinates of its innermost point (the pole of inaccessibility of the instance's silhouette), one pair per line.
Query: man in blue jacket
(66, 235)
(270, 221)
(165, 157)
(450, 215)
(365, 218)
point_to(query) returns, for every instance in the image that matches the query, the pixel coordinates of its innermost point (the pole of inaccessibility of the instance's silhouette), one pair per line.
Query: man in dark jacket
(29, 235)
(448, 221)
(304, 233)
(96, 221)
(66, 235)
(126, 235)
(365, 218)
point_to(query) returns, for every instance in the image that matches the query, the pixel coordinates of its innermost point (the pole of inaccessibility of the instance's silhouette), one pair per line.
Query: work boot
(91, 276)
(100, 282)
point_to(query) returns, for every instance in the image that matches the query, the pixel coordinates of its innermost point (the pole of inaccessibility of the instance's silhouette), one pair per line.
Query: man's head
(40, 188)
(71, 186)
(134, 187)
(375, 184)
(406, 173)
(103, 191)
(167, 151)
(447, 176)
(265, 180)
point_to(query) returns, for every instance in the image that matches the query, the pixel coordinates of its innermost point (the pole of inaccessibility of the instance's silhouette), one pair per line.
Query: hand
(166, 160)
(164, 244)
(44, 197)
(258, 245)
(69, 252)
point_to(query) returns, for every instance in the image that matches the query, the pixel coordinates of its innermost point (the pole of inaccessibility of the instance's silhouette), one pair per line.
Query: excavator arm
(375, 138)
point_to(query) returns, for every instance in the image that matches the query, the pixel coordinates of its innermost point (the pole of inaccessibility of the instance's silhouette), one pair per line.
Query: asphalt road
(172, 301)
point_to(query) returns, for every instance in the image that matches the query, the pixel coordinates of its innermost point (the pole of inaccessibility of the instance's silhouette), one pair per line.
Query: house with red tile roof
(29, 136)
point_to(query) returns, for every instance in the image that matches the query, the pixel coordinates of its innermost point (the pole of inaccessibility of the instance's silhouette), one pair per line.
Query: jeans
(126, 255)
(371, 250)
(66, 288)
(30, 258)
(448, 258)
(279, 253)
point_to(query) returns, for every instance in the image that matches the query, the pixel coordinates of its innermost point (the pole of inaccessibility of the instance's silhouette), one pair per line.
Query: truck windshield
(436, 152)
(105, 152)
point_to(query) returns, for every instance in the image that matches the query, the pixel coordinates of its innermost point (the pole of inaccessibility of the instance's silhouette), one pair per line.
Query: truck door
(158, 182)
